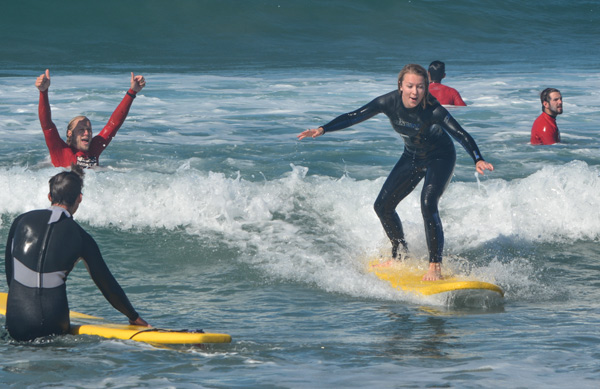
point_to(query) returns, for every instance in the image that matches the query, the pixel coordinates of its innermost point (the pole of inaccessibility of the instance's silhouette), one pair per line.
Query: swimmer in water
(80, 148)
(544, 130)
(443, 93)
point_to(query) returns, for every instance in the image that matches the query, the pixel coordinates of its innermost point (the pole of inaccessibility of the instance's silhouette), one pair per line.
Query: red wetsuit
(446, 95)
(544, 130)
(61, 154)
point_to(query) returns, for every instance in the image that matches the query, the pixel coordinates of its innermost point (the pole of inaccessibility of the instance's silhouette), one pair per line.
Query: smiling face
(413, 88)
(79, 135)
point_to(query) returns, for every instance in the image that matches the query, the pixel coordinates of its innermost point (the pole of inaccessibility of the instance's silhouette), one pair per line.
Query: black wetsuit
(428, 152)
(43, 247)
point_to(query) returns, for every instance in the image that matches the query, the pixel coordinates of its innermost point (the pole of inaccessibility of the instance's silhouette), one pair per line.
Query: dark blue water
(190, 35)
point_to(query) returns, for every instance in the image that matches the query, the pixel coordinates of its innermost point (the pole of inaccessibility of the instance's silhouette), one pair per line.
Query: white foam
(171, 166)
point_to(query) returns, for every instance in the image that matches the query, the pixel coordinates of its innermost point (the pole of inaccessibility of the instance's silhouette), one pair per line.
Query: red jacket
(445, 95)
(544, 130)
(61, 154)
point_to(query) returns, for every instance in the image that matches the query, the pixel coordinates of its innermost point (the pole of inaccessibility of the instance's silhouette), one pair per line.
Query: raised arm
(101, 141)
(43, 81)
(44, 113)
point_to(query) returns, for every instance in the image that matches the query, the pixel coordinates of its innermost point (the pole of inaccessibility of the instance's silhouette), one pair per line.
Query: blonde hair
(72, 124)
(419, 70)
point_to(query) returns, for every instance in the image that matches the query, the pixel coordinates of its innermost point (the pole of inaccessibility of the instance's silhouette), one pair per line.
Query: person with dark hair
(444, 94)
(43, 247)
(544, 130)
(426, 127)
(80, 147)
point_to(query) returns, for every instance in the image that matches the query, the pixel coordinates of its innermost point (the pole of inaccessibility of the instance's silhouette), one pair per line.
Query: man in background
(544, 130)
(444, 94)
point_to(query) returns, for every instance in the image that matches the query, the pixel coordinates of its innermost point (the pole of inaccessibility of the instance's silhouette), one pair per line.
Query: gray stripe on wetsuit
(32, 279)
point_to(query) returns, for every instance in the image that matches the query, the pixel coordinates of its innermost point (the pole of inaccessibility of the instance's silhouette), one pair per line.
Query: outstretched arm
(463, 137)
(348, 119)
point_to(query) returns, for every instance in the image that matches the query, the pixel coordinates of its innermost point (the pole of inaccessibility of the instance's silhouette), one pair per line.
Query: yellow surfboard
(410, 279)
(137, 333)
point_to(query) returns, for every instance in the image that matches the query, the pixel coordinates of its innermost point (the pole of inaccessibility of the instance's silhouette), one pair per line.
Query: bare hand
(312, 133)
(482, 165)
(139, 322)
(43, 81)
(137, 82)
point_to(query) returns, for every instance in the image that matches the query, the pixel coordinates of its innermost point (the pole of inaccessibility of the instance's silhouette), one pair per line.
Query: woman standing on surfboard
(426, 127)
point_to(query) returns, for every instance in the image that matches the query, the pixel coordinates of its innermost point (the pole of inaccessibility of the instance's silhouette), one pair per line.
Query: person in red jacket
(544, 130)
(80, 148)
(444, 94)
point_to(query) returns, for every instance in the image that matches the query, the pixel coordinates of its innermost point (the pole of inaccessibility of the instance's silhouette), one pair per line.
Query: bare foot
(434, 273)
(387, 263)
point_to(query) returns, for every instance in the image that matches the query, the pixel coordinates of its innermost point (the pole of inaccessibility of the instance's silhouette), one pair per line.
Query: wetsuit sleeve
(455, 130)
(44, 112)
(458, 101)
(59, 150)
(8, 262)
(101, 141)
(104, 279)
(544, 132)
(351, 118)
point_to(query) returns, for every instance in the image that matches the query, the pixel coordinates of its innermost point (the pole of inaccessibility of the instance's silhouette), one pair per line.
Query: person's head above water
(65, 188)
(437, 71)
(551, 101)
(79, 133)
(413, 84)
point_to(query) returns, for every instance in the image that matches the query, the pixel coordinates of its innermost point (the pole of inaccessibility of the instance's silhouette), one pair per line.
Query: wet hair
(545, 95)
(419, 70)
(66, 186)
(437, 70)
(71, 125)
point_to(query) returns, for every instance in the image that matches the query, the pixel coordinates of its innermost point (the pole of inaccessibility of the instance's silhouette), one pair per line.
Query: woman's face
(413, 90)
(81, 135)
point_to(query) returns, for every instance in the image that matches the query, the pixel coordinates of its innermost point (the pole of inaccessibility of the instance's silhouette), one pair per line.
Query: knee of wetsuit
(381, 209)
(429, 206)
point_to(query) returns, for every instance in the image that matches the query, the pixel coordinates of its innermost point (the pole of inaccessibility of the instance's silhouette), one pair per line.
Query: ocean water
(212, 215)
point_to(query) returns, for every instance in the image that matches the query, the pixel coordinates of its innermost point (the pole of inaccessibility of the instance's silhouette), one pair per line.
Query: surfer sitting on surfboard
(43, 247)
(429, 153)
(80, 147)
